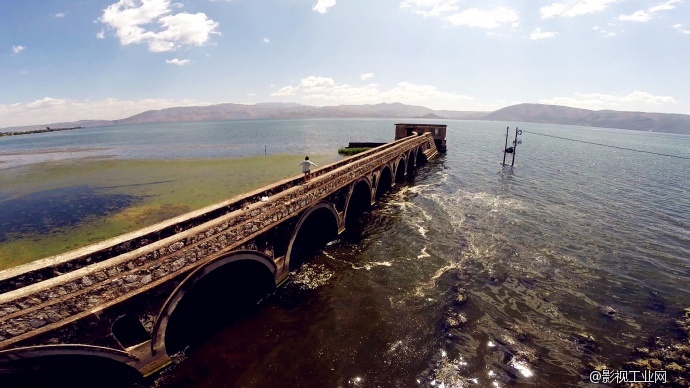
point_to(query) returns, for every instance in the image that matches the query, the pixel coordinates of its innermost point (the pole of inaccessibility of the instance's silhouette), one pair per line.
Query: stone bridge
(126, 300)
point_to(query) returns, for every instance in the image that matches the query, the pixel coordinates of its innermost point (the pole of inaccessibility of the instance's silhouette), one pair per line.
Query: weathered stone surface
(131, 278)
(86, 281)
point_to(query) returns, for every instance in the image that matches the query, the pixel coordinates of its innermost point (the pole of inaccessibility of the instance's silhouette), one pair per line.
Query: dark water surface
(48, 210)
(472, 274)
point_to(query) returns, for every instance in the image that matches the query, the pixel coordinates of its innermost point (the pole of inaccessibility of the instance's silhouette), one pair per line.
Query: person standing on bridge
(306, 168)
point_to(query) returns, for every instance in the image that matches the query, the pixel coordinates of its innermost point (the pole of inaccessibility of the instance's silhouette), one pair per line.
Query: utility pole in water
(515, 143)
(511, 150)
(505, 148)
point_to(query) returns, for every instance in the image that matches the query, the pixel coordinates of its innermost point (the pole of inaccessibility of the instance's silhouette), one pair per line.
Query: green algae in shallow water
(130, 194)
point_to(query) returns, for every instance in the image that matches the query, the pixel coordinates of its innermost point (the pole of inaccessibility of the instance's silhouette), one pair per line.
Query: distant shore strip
(47, 129)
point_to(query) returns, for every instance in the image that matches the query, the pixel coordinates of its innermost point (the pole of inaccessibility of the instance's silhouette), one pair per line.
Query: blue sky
(71, 60)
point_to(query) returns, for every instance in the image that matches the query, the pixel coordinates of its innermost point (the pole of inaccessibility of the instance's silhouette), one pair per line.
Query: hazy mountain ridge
(536, 113)
(555, 114)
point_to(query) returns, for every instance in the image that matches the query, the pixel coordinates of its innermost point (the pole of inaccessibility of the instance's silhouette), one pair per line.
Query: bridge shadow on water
(220, 299)
(68, 371)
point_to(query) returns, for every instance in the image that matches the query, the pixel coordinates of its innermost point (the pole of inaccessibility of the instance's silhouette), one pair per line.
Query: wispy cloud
(665, 6)
(610, 101)
(131, 21)
(267, 40)
(366, 76)
(538, 34)
(101, 35)
(431, 7)
(322, 6)
(571, 8)
(327, 90)
(606, 33)
(647, 15)
(60, 14)
(52, 110)
(178, 62)
(18, 49)
(679, 28)
(479, 18)
(470, 17)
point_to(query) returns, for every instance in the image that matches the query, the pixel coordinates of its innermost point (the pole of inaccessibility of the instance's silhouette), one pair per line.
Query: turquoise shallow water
(538, 251)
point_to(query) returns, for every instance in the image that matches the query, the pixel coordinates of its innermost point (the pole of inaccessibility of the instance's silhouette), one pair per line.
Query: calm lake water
(471, 274)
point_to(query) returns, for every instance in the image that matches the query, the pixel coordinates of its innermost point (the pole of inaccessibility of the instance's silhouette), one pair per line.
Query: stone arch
(257, 261)
(358, 202)
(323, 221)
(385, 181)
(400, 171)
(68, 365)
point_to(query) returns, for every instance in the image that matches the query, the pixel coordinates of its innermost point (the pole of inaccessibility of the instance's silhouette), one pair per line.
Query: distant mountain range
(535, 113)
(554, 114)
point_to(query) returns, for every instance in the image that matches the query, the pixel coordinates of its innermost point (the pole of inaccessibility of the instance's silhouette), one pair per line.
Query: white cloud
(493, 18)
(539, 34)
(431, 7)
(471, 17)
(366, 76)
(322, 6)
(571, 8)
(54, 110)
(665, 6)
(604, 32)
(18, 49)
(286, 91)
(101, 35)
(645, 16)
(267, 40)
(326, 90)
(178, 62)
(679, 28)
(60, 14)
(316, 84)
(637, 16)
(634, 100)
(152, 22)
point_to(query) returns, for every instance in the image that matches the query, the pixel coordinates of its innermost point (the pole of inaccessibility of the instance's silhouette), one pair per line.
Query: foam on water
(367, 266)
(423, 254)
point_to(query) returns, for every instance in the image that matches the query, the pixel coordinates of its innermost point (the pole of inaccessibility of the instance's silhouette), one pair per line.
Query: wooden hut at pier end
(438, 132)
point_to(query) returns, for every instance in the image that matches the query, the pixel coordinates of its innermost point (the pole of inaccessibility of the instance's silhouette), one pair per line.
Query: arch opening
(385, 181)
(221, 297)
(68, 370)
(358, 204)
(318, 227)
(421, 157)
(129, 331)
(400, 171)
